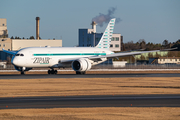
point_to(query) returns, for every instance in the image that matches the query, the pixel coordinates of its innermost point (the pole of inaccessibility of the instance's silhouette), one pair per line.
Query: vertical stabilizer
(107, 35)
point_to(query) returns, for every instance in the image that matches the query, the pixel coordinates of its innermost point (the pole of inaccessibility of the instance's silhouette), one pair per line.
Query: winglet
(107, 35)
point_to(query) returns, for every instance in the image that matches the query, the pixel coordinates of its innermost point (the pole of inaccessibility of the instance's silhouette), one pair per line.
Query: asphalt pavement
(91, 101)
(36, 76)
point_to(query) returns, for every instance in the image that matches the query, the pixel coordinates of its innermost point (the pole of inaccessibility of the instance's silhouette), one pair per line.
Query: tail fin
(107, 35)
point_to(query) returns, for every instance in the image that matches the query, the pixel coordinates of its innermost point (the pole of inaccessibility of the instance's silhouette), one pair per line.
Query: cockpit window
(19, 54)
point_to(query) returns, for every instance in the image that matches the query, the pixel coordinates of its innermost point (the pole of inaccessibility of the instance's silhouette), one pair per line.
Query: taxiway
(36, 76)
(91, 101)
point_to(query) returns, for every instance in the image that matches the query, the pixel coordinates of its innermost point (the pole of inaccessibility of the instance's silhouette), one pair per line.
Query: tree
(18, 38)
(157, 55)
(31, 37)
(150, 55)
(165, 43)
(176, 44)
(12, 37)
(142, 43)
(142, 57)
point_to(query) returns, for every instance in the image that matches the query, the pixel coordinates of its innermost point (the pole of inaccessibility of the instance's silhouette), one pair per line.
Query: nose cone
(15, 61)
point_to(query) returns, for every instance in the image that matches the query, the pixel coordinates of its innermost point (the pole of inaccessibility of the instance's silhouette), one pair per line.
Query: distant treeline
(31, 37)
(142, 45)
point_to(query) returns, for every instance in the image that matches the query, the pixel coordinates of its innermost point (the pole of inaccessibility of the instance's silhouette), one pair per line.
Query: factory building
(89, 37)
(17, 44)
(3, 28)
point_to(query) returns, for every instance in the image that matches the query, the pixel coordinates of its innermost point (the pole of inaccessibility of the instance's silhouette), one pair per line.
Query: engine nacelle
(81, 65)
(22, 68)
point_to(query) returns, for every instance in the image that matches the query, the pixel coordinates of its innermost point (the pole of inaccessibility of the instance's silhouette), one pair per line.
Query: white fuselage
(52, 56)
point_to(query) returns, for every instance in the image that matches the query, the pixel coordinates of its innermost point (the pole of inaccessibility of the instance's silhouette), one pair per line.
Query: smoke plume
(105, 18)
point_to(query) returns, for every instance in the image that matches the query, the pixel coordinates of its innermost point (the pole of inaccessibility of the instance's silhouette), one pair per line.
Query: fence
(110, 66)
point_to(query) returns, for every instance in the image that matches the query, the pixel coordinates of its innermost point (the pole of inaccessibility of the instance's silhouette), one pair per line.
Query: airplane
(81, 59)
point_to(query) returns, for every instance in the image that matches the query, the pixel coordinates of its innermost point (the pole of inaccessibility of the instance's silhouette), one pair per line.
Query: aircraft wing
(115, 55)
(109, 56)
(10, 52)
(123, 54)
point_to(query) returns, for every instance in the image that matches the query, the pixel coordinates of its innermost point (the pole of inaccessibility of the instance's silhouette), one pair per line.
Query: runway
(36, 76)
(91, 101)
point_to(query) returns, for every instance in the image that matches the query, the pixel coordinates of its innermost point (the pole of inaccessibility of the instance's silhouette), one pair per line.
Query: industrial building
(89, 37)
(164, 60)
(3, 28)
(17, 44)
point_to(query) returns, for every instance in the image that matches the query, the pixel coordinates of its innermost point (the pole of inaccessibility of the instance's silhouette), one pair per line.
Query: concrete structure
(37, 28)
(89, 37)
(165, 60)
(3, 64)
(3, 28)
(5, 43)
(94, 26)
(17, 44)
(22, 43)
(119, 63)
(116, 42)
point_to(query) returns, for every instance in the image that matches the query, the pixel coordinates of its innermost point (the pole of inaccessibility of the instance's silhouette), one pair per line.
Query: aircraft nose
(15, 61)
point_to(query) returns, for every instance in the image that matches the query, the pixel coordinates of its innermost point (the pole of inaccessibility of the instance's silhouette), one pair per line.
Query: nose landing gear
(52, 71)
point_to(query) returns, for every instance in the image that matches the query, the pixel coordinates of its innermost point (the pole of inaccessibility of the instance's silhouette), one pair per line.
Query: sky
(151, 20)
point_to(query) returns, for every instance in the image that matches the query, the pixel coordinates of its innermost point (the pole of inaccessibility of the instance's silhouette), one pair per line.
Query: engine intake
(81, 65)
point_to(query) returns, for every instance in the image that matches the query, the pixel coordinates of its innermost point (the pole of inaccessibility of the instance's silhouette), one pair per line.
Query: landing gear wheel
(49, 71)
(55, 71)
(77, 73)
(52, 71)
(80, 73)
(22, 72)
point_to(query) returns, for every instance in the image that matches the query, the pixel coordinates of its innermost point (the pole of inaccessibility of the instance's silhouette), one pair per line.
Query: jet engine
(81, 65)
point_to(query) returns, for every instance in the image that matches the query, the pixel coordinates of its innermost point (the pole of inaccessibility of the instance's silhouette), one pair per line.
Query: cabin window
(116, 45)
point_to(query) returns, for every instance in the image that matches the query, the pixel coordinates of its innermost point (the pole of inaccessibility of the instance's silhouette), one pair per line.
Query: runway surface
(35, 76)
(91, 101)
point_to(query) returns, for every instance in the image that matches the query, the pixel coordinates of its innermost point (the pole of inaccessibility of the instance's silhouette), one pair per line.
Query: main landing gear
(52, 71)
(80, 73)
(22, 72)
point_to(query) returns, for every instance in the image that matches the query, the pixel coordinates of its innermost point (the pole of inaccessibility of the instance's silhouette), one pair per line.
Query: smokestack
(94, 26)
(37, 27)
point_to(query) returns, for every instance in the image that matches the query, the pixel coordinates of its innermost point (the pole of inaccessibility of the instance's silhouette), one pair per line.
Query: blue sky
(152, 20)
